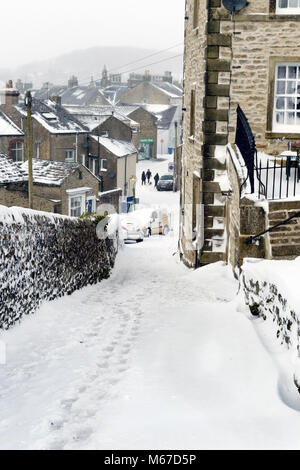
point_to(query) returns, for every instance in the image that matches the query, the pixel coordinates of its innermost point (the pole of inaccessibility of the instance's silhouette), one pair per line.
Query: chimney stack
(56, 99)
(9, 95)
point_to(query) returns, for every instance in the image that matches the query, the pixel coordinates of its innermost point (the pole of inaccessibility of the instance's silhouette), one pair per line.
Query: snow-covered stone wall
(271, 291)
(44, 256)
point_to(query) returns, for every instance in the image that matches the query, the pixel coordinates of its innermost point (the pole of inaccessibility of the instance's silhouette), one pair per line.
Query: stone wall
(285, 239)
(46, 256)
(267, 300)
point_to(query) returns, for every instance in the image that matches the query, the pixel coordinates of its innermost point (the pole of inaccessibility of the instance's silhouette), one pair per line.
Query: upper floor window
(288, 7)
(103, 164)
(17, 151)
(287, 98)
(70, 155)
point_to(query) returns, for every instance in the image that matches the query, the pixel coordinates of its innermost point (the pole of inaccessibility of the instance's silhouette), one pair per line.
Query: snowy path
(157, 356)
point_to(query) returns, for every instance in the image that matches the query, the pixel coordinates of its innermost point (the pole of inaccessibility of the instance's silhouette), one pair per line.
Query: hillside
(86, 62)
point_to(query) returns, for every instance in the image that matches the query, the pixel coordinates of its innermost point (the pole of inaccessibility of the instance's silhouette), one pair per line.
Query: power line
(139, 60)
(146, 57)
(138, 68)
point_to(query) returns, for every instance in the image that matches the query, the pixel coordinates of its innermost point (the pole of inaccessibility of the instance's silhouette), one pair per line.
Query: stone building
(59, 187)
(117, 163)
(11, 138)
(251, 59)
(56, 134)
(146, 139)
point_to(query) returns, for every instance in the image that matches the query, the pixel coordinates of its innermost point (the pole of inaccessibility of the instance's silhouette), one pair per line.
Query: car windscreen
(167, 177)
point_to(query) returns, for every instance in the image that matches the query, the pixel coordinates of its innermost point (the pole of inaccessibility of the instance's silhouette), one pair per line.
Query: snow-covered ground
(156, 357)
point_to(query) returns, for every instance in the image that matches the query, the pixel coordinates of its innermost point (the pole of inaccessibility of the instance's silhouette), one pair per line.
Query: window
(76, 203)
(103, 164)
(17, 151)
(288, 7)
(82, 159)
(196, 14)
(38, 146)
(192, 114)
(287, 98)
(69, 155)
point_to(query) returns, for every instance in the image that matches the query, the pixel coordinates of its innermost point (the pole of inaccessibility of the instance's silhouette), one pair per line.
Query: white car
(130, 230)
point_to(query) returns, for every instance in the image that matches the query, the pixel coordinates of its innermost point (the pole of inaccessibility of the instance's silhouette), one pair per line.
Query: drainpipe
(76, 148)
(125, 175)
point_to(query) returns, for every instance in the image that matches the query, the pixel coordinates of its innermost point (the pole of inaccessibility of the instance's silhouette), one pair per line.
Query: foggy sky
(35, 30)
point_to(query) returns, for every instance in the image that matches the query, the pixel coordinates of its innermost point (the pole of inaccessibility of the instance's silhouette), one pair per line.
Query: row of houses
(94, 143)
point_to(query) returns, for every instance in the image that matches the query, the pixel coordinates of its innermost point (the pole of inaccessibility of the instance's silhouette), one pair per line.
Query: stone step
(208, 257)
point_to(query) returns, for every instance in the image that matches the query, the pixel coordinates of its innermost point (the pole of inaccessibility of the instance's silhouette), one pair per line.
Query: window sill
(280, 134)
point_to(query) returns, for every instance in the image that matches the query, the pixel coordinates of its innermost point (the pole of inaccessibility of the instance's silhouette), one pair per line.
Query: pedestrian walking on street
(143, 178)
(148, 174)
(156, 179)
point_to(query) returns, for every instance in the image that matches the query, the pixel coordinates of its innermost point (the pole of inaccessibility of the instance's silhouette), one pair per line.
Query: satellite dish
(234, 5)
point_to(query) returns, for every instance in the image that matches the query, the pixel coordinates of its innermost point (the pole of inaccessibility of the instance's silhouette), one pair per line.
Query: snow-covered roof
(92, 116)
(119, 148)
(171, 90)
(7, 127)
(10, 171)
(53, 117)
(50, 172)
(78, 95)
(47, 172)
(164, 114)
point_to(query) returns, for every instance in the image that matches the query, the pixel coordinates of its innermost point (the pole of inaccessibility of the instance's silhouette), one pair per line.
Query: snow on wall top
(7, 127)
(119, 148)
(12, 215)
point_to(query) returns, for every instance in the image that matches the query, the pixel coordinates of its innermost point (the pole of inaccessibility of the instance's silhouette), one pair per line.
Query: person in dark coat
(156, 179)
(148, 174)
(143, 178)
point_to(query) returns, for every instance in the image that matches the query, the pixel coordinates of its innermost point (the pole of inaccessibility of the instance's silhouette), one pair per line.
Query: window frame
(287, 10)
(17, 142)
(286, 128)
(68, 160)
(102, 168)
(82, 204)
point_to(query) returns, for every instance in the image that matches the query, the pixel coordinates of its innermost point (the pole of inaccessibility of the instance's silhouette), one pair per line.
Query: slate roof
(88, 114)
(46, 172)
(53, 117)
(119, 148)
(171, 90)
(10, 171)
(164, 114)
(78, 95)
(7, 127)
(114, 92)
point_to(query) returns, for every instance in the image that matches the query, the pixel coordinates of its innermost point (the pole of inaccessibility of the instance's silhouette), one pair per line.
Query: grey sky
(41, 30)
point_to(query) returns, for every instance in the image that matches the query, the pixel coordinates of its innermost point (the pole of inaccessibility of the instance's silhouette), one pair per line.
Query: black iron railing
(281, 177)
(250, 240)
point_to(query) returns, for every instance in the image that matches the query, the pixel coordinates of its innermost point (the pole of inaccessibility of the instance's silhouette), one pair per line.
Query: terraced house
(236, 53)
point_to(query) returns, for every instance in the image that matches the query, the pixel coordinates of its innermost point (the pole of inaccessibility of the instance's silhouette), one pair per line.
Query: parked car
(165, 183)
(130, 230)
(157, 224)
